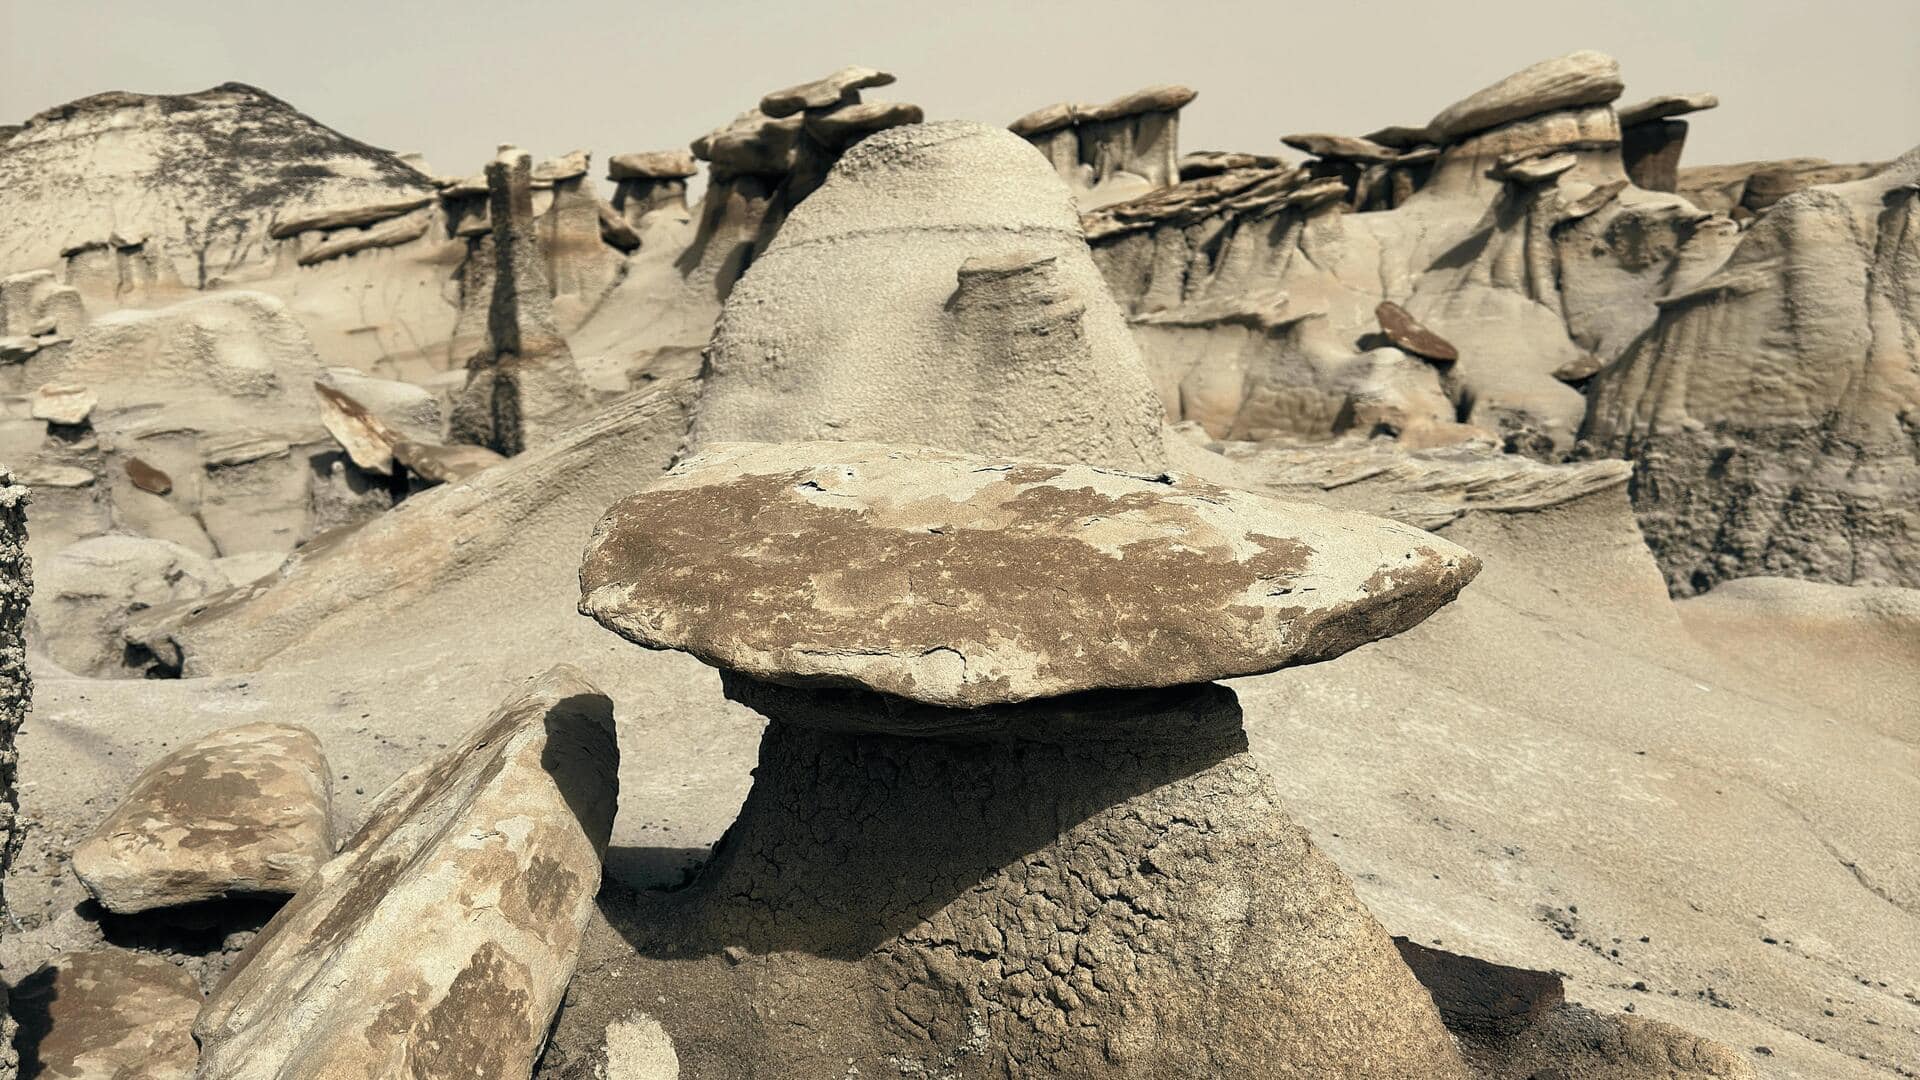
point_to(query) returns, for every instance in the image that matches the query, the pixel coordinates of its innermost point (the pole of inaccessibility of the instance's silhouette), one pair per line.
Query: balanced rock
(652, 165)
(438, 944)
(838, 88)
(1580, 78)
(112, 1014)
(59, 403)
(935, 291)
(1112, 580)
(243, 811)
(1096, 884)
(1406, 332)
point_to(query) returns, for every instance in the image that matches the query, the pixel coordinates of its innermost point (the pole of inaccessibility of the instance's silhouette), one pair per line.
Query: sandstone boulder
(437, 945)
(1050, 579)
(111, 1014)
(243, 811)
(60, 403)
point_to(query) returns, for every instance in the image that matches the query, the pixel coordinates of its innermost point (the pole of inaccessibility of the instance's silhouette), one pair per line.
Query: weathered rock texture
(111, 1014)
(16, 683)
(934, 291)
(438, 944)
(1116, 892)
(1770, 410)
(966, 581)
(1113, 152)
(247, 810)
(522, 387)
(89, 590)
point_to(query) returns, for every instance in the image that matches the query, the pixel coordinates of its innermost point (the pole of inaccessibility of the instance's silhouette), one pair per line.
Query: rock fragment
(243, 811)
(1177, 581)
(341, 217)
(61, 403)
(148, 478)
(838, 88)
(111, 1014)
(1407, 332)
(444, 933)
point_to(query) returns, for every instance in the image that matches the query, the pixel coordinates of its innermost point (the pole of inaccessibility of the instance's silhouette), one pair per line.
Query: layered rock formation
(1146, 910)
(1769, 412)
(934, 291)
(1113, 152)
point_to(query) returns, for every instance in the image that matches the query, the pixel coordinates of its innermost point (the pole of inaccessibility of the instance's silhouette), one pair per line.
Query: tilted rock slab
(438, 944)
(244, 810)
(113, 1014)
(1579, 78)
(966, 581)
(935, 290)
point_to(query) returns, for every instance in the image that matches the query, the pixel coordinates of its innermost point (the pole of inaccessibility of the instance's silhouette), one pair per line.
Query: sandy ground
(1703, 812)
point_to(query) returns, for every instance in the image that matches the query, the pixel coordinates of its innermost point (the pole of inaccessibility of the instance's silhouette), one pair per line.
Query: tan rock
(390, 233)
(838, 88)
(753, 144)
(59, 403)
(341, 217)
(112, 1014)
(1580, 78)
(849, 124)
(1151, 99)
(444, 464)
(246, 810)
(1408, 333)
(1535, 168)
(565, 167)
(1341, 147)
(652, 165)
(89, 589)
(964, 581)
(444, 934)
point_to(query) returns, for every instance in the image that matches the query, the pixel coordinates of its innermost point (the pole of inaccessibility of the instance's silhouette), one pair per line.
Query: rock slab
(246, 810)
(438, 944)
(964, 581)
(107, 1015)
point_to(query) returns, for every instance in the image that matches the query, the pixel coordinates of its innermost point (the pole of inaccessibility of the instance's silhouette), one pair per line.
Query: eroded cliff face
(1772, 412)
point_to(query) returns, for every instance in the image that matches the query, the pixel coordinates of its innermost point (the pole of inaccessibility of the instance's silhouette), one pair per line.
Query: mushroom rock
(1577, 79)
(1200, 163)
(840, 88)
(994, 831)
(746, 161)
(1651, 141)
(522, 385)
(934, 291)
(581, 265)
(1113, 152)
(645, 182)
(200, 179)
(243, 811)
(1768, 410)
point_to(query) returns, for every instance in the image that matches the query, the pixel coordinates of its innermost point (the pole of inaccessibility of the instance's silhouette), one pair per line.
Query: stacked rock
(1004, 823)
(651, 181)
(769, 158)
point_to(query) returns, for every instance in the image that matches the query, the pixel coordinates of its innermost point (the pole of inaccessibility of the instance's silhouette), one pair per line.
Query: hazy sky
(1835, 78)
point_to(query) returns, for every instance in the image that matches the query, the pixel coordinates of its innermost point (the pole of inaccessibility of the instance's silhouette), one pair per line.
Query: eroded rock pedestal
(1103, 885)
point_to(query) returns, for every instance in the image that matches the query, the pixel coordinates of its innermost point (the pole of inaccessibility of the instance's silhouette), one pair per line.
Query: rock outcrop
(437, 945)
(90, 589)
(934, 291)
(1769, 412)
(1114, 152)
(1146, 909)
(244, 811)
(522, 385)
(109, 1014)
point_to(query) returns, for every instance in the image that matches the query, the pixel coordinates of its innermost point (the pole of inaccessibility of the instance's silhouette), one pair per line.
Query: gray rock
(652, 165)
(342, 217)
(111, 1014)
(89, 589)
(60, 403)
(1580, 78)
(243, 811)
(964, 581)
(849, 124)
(446, 930)
(1341, 147)
(1664, 107)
